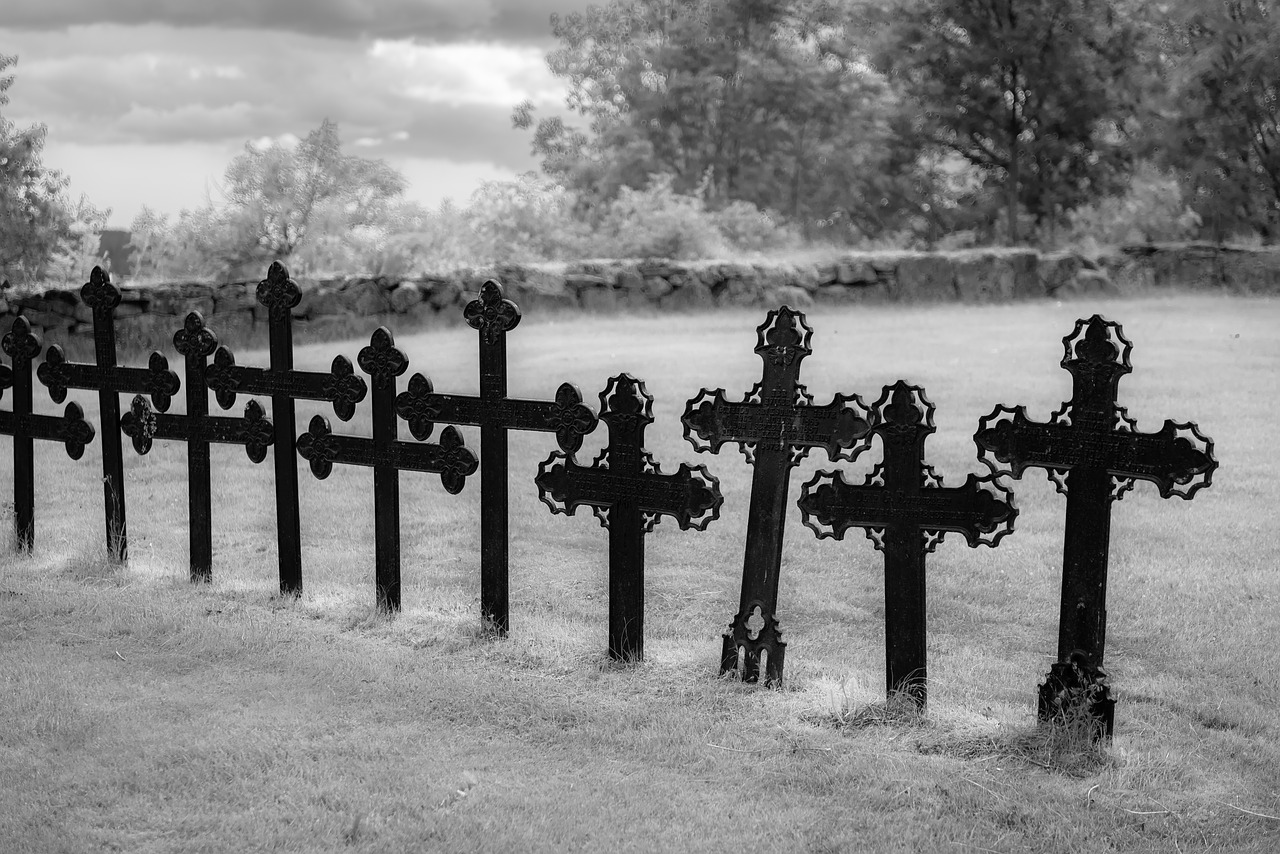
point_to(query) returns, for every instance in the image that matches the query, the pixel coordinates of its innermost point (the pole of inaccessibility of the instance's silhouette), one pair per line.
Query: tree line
(698, 127)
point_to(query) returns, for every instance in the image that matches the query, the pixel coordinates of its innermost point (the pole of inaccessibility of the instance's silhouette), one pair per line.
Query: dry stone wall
(148, 316)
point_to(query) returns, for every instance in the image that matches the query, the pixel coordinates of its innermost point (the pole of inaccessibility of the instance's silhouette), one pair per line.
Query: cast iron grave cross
(775, 426)
(110, 381)
(628, 494)
(1093, 453)
(340, 386)
(451, 459)
(495, 413)
(194, 341)
(906, 511)
(22, 345)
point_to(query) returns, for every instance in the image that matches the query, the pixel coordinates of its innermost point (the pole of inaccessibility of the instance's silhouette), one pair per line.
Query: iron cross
(195, 342)
(495, 413)
(22, 345)
(906, 511)
(775, 426)
(110, 381)
(340, 386)
(1093, 452)
(628, 493)
(451, 459)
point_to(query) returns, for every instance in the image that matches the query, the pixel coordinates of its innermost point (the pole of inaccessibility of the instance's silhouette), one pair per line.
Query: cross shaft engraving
(627, 491)
(340, 386)
(493, 317)
(451, 459)
(1093, 453)
(775, 426)
(906, 512)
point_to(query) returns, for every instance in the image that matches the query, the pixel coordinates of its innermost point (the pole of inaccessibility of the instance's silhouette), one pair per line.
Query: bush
(1151, 210)
(658, 222)
(744, 226)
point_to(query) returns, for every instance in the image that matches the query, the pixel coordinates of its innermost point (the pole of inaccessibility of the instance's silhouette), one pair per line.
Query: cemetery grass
(142, 713)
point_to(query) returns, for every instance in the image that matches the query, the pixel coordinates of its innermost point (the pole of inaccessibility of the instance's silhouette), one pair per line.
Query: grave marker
(1093, 453)
(340, 386)
(495, 413)
(775, 426)
(110, 380)
(22, 345)
(628, 493)
(195, 342)
(906, 511)
(451, 459)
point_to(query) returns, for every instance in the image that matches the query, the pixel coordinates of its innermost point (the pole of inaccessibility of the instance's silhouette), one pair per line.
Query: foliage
(530, 219)
(657, 222)
(1150, 210)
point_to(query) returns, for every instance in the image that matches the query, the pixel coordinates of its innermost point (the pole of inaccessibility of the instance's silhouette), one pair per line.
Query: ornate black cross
(1093, 453)
(110, 381)
(628, 494)
(451, 459)
(495, 413)
(340, 386)
(195, 342)
(775, 425)
(906, 511)
(22, 345)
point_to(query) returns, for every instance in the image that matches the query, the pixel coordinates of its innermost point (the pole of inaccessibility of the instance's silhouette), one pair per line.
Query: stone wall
(148, 316)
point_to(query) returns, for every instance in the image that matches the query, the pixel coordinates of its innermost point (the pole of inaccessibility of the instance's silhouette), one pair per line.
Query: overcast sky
(147, 101)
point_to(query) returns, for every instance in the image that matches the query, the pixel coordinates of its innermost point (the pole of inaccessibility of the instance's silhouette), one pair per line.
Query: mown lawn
(140, 713)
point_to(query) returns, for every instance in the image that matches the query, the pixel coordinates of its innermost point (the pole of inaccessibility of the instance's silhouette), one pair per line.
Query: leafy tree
(1033, 93)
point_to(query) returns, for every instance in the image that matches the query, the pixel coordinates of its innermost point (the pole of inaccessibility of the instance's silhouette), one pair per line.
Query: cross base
(768, 639)
(1074, 689)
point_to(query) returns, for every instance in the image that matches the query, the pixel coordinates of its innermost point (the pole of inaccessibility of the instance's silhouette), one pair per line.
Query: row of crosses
(1091, 449)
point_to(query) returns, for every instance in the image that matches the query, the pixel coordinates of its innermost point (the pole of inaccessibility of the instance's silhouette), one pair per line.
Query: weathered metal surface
(22, 345)
(628, 493)
(110, 380)
(388, 456)
(195, 343)
(493, 316)
(278, 293)
(775, 425)
(906, 512)
(1093, 453)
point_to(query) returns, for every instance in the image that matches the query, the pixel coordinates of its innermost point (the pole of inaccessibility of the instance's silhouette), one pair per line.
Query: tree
(278, 194)
(1034, 93)
(1224, 132)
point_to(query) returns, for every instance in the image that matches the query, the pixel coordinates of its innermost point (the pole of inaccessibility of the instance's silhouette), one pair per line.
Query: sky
(147, 101)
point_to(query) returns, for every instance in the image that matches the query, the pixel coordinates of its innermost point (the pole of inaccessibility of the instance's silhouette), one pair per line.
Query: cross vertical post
(388, 456)
(110, 381)
(906, 511)
(493, 316)
(278, 293)
(22, 345)
(1093, 453)
(775, 426)
(629, 494)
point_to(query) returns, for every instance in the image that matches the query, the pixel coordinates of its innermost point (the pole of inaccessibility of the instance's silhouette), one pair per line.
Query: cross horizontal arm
(690, 495)
(156, 380)
(450, 458)
(340, 386)
(254, 430)
(837, 426)
(70, 428)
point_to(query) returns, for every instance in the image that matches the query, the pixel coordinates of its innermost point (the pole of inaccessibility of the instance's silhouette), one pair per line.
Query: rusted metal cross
(1093, 453)
(340, 386)
(776, 425)
(195, 342)
(110, 381)
(451, 459)
(906, 511)
(628, 493)
(22, 345)
(495, 413)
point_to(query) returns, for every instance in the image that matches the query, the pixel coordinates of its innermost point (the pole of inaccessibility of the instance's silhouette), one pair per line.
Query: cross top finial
(625, 400)
(382, 360)
(1098, 343)
(903, 407)
(492, 313)
(20, 343)
(194, 338)
(784, 337)
(277, 291)
(98, 293)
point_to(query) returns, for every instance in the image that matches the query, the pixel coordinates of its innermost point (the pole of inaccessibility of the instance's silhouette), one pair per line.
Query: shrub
(658, 222)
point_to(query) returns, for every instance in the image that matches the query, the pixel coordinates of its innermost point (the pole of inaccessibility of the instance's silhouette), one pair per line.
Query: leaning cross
(110, 381)
(906, 511)
(775, 426)
(1093, 453)
(495, 413)
(628, 494)
(279, 294)
(451, 459)
(198, 429)
(22, 345)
